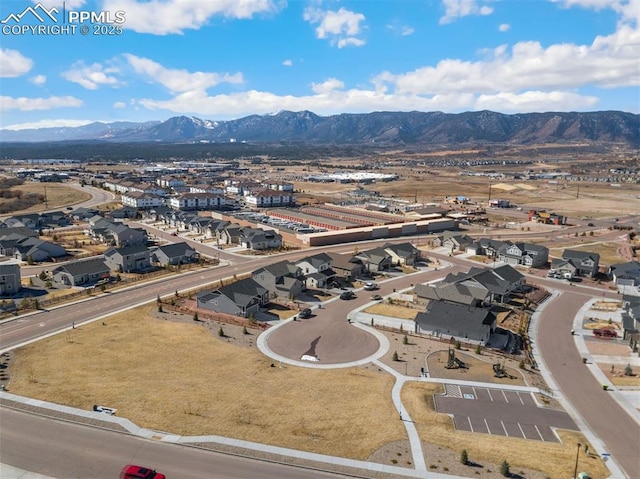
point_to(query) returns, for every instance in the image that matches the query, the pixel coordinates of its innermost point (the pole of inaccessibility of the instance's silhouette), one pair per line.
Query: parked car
(347, 295)
(590, 224)
(138, 472)
(606, 332)
(376, 297)
(304, 313)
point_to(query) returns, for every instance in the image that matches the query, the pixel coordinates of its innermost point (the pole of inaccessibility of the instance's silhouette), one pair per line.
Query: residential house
(283, 279)
(173, 254)
(375, 260)
(346, 266)
(631, 321)
(564, 268)
(130, 259)
(230, 234)
(31, 221)
(625, 274)
(83, 272)
(126, 212)
(501, 282)
(403, 253)
(84, 214)
(197, 201)
(447, 320)
(317, 270)
(487, 247)
(37, 250)
(54, 219)
(524, 254)
(241, 298)
(121, 235)
(258, 239)
(453, 241)
(470, 294)
(585, 262)
(10, 279)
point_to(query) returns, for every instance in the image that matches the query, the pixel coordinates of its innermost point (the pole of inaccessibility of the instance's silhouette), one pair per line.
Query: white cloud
(38, 80)
(399, 29)
(629, 10)
(287, 63)
(13, 63)
(119, 104)
(504, 27)
(48, 124)
(535, 101)
(340, 27)
(406, 31)
(180, 80)
(327, 86)
(30, 104)
(92, 76)
(610, 61)
(162, 17)
(454, 9)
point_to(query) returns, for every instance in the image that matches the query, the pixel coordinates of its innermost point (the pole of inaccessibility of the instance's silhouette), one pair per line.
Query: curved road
(616, 428)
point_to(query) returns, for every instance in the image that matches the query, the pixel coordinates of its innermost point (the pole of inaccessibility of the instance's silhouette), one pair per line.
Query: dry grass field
(392, 310)
(179, 378)
(58, 196)
(554, 460)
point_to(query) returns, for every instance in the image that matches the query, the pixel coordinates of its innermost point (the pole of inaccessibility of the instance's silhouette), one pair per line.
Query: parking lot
(501, 412)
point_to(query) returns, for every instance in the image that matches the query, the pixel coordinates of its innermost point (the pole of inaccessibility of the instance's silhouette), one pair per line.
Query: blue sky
(225, 59)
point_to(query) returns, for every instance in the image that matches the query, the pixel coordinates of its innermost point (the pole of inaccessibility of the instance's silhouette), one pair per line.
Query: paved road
(610, 422)
(73, 451)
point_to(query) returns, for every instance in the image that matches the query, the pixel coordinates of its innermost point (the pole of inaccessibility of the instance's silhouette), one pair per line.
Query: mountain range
(384, 128)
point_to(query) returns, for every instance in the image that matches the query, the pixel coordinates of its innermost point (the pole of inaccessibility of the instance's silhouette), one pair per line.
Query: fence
(213, 316)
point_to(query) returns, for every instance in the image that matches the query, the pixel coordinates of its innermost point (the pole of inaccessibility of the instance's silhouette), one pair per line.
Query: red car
(139, 472)
(605, 333)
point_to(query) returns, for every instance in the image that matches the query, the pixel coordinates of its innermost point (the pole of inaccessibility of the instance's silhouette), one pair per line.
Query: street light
(575, 471)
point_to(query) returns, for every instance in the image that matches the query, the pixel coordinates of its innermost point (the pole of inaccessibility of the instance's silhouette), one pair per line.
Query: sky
(70, 63)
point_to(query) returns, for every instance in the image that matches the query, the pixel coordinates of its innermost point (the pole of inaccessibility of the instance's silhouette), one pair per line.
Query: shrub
(478, 349)
(244, 330)
(505, 469)
(195, 316)
(405, 339)
(464, 457)
(521, 364)
(42, 275)
(395, 356)
(627, 370)
(221, 332)
(457, 344)
(159, 308)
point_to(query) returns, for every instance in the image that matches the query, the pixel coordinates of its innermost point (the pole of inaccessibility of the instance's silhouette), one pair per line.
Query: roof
(344, 261)
(403, 250)
(281, 268)
(454, 293)
(175, 249)
(456, 318)
(375, 255)
(580, 255)
(135, 249)
(240, 292)
(85, 266)
(630, 269)
(316, 260)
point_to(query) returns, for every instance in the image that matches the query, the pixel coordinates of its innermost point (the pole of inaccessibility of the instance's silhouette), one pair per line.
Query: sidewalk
(10, 472)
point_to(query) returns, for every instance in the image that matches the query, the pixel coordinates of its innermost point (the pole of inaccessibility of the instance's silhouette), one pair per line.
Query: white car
(370, 286)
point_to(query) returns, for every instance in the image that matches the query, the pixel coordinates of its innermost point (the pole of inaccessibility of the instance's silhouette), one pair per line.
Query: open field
(393, 310)
(615, 374)
(184, 379)
(58, 196)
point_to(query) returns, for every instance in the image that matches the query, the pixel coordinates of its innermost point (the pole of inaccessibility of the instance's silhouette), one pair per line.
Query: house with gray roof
(625, 274)
(173, 254)
(453, 241)
(35, 249)
(488, 247)
(84, 272)
(584, 262)
(452, 320)
(402, 253)
(469, 294)
(524, 254)
(241, 298)
(283, 279)
(375, 260)
(258, 239)
(10, 278)
(501, 283)
(346, 266)
(317, 270)
(130, 259)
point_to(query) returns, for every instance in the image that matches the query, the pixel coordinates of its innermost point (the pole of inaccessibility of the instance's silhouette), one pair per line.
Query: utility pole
(575, 471)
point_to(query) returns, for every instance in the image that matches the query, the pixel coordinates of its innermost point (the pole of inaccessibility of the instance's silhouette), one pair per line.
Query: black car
(347, 295)
(304, 313)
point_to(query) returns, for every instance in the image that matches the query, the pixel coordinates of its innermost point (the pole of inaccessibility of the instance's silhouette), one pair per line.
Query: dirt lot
(244, 406)
(58, 196)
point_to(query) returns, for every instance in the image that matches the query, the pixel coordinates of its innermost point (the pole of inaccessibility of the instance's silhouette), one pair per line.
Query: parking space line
(490, 396)
(470, 425)
(505, 396)
(538, 431)
(505, 429)
(487, 424)
(522, 432)
(520, 397)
